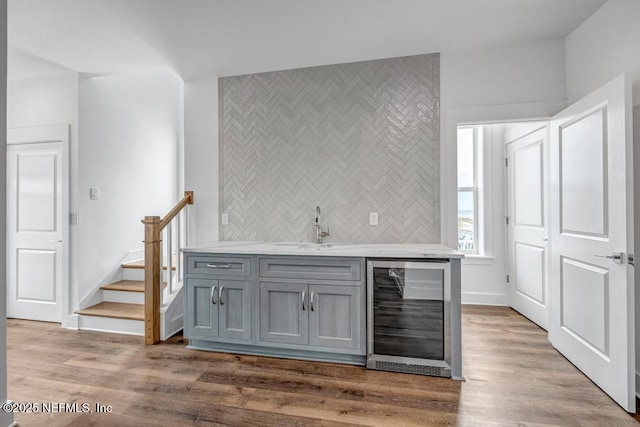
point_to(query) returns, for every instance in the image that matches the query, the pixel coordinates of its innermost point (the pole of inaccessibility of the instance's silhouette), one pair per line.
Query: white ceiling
(198, 38)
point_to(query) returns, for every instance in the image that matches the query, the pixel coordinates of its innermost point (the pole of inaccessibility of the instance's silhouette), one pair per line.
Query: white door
(37, 232)
(592, 296)
(528, 226)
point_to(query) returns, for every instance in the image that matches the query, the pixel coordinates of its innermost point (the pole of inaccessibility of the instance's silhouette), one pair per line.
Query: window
(469, 189)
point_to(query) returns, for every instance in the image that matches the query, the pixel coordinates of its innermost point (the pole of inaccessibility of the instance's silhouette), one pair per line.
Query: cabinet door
(202, 308)
(234, 304)
(284, 313)
(335, 316)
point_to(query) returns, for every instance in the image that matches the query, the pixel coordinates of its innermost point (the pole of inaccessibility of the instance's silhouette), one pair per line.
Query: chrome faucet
(319, 233)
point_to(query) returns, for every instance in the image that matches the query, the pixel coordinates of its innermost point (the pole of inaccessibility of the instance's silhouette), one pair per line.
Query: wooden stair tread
(116, 310)
(125, 286)
(140, 264)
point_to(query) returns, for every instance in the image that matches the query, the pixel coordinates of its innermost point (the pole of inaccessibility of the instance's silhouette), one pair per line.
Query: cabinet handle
(218, 265)
(311, 301)
(302, 300)
(213, 295)
(220, 295)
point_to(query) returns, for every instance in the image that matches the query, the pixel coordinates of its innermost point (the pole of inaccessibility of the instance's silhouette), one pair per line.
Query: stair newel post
(152, 266)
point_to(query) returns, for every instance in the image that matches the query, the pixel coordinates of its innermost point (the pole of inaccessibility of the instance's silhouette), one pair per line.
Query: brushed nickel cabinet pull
(218, 265)
(213, 295)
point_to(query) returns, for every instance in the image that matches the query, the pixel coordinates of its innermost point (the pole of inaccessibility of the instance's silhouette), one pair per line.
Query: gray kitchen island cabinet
(289, 306)
(318, 302)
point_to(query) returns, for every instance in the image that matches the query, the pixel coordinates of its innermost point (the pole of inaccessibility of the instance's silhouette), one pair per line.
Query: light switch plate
(373, 218)
(225, 219)
(94, 193)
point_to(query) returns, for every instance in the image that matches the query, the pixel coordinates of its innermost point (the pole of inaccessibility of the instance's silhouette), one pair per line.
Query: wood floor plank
(513, 377)
(343, 410)
(290, 383)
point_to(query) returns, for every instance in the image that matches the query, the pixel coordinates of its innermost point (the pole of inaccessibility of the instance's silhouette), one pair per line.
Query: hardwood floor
(513, 377)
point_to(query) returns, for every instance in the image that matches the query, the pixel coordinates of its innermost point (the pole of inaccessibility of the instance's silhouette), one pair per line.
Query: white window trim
(479, 190)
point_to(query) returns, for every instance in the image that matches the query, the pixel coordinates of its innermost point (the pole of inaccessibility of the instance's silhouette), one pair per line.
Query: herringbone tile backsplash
(352, 138)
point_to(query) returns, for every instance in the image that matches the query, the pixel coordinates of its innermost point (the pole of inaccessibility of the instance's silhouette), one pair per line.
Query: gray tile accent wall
(352, 138)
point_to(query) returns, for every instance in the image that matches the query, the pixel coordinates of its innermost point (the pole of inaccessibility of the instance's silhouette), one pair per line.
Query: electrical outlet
(373, 218)
(94, 193)
(225, 219)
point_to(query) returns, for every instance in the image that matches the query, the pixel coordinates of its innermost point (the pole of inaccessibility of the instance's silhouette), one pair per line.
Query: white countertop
(369, 250)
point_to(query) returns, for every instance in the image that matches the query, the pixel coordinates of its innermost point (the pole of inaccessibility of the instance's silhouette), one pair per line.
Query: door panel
(528, 227)
(283, 313)
(528, 194)
(235, 309)
(36, 284)
(530, 268)
(592, 311)
(36, 191)
(37, 233)
(584, 308)
(583, 175)
(334, 316)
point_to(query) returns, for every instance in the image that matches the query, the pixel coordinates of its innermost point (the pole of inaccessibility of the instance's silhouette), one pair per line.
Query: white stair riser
(133, 274)
(124, 297)
(138, 274)
(107, 324)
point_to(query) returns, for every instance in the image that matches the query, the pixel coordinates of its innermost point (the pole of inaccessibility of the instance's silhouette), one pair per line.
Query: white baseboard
(71, 322)
(115, 326)
(484, 298)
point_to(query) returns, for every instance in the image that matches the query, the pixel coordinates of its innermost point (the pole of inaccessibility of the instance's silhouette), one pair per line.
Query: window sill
(474, 259)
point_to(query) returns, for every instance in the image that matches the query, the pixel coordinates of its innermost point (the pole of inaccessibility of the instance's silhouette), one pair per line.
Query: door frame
(452, 117)
(51, 134)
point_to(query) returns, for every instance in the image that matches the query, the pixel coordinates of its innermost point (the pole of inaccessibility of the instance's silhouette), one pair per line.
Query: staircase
(122, 306)
(148, 300)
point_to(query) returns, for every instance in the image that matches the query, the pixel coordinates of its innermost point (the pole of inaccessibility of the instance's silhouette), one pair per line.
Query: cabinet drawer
(305, 268)
(219, 265)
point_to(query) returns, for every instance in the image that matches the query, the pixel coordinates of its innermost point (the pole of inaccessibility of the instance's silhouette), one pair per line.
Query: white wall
(45, 100)
(5, 419)
(130, 137)
(511, 74)
(201, 158)
(603, 47)
(498, 84)
(51, 100)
